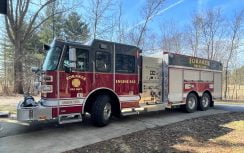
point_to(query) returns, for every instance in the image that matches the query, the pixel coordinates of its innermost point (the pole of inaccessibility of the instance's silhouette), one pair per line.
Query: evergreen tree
(74, 28)
(47, 30)
(70, 27)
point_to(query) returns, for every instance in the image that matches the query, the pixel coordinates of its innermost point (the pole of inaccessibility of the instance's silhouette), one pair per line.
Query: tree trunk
(18, 68)
(226, 82)
(18, 77)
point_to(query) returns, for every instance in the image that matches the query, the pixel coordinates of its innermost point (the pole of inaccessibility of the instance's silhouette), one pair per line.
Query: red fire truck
(107, 79)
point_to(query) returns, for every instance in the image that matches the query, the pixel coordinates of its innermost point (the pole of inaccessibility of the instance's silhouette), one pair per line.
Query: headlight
(47, 78)
(47, 88)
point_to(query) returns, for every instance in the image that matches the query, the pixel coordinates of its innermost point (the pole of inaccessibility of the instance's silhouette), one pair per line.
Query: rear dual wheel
(191, 103)
(205, 102)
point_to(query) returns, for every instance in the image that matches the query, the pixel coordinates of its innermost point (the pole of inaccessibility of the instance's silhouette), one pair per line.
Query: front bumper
(38, 112)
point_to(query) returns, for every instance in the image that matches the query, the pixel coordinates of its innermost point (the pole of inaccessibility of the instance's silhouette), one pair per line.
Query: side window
(125, 63)
(103, 61)
(82, 59)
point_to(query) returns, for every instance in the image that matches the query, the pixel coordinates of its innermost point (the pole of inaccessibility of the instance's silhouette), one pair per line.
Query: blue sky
(181, 12)
(177, 10)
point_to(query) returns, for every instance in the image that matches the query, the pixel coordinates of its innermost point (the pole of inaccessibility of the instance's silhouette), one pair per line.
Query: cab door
(75, 83)
(103, 66)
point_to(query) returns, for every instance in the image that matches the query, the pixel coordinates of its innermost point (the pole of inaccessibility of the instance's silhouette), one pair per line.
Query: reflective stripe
(71, 102)
(129, 98)
(63, 102)
(49, 102)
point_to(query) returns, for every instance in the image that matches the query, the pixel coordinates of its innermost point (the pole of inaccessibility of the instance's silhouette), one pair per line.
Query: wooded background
(30, 24)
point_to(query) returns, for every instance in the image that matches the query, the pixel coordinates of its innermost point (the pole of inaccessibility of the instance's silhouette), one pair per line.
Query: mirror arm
(46, 47)
(67, 69)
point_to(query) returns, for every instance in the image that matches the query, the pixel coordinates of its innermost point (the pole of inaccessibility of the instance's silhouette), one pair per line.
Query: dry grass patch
(9, 103)
(230, 142)
(221, 133)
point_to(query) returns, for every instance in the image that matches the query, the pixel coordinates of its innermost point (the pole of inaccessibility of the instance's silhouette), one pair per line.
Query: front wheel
(191, 103)
(205, 102)
(101, 111)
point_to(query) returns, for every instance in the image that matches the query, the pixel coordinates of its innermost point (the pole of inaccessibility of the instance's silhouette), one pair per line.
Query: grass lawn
(9, 103)
(230, 142)
(8, 108)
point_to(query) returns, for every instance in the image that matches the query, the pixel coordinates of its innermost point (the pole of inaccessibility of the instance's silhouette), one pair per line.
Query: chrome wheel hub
(191, 103)
(107, 111)
(205, 101)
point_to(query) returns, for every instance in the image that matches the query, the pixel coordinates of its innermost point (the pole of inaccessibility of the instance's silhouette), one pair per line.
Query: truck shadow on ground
(195, 133)
(10, 126)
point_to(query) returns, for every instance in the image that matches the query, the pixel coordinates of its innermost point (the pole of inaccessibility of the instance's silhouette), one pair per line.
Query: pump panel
(151, 80)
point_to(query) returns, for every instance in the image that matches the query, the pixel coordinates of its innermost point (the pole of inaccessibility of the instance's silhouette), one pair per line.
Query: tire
(212, 104)
(205, 102)
(191, 103)
(101, 111)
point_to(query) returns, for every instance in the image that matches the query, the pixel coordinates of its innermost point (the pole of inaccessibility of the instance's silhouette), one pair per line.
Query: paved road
(50, 137)
(230, 107)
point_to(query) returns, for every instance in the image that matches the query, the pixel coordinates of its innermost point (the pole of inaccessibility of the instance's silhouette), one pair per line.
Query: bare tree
(18, 35)
(150, 10)
(172, 39)
(212, 30)
(151, 44)
(194, 34)
(234, 44)
(120, 29)
(21, 22)
(97, 12)
(4, 60)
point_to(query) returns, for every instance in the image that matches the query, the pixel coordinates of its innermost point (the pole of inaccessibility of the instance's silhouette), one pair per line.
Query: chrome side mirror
(35, 69)
(46, 47)
(72, 58)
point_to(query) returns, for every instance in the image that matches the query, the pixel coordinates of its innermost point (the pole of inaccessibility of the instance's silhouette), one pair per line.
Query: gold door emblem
(75, 83)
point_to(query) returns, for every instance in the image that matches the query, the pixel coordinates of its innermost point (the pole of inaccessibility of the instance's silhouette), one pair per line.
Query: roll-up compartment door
(207, 76)
(217, 85)
(191, 75)
(175, 85)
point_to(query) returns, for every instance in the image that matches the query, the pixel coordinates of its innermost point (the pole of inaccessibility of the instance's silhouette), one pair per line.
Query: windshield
(52, 58)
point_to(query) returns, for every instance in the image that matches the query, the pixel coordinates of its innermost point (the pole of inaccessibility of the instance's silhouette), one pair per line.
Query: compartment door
(175, 85)
(217, 85)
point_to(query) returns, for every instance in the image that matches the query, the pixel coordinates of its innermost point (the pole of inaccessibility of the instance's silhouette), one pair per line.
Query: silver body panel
(167, 82)
(33, 113)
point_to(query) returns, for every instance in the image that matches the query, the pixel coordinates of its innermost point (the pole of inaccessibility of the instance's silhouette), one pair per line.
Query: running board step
(153, 103)
(70, 118)
(142, 109)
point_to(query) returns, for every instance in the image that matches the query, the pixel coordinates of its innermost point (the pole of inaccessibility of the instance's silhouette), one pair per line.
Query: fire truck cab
(108, 79)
